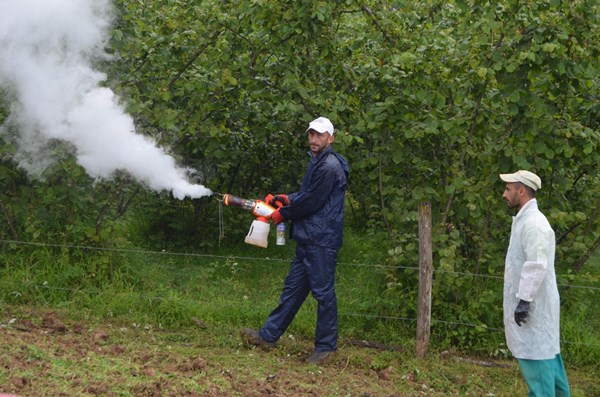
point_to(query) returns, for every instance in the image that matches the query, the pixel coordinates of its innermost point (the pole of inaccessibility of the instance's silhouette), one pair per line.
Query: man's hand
(521, 312)
(279, 201)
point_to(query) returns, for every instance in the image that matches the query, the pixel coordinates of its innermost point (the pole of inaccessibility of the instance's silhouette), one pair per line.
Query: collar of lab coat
(530, 204)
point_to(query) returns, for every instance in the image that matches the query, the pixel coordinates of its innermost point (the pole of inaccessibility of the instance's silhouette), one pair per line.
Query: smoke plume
(47, 51)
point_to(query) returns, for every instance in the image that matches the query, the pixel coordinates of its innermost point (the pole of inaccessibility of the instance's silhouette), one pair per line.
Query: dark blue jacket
(317, 209)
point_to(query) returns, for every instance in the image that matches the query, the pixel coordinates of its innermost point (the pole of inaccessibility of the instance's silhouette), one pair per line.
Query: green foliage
(63, 207)
(497, 87)
(431, 101)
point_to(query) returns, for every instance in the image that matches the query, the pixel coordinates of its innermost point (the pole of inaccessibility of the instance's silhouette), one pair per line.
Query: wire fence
(266, 259)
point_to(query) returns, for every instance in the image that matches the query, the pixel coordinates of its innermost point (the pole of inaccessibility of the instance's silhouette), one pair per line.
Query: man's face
(512, 195)
(318, 142)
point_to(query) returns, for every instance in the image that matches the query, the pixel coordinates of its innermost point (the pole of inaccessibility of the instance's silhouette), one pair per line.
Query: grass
(168, 324)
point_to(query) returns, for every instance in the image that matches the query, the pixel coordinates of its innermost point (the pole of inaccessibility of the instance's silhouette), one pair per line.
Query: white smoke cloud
(47, 48)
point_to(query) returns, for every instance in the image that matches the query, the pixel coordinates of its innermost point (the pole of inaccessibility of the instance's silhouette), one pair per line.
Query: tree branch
(387, 38)
(381, 198)
(193, 59)
(566, 234)
(577, 266)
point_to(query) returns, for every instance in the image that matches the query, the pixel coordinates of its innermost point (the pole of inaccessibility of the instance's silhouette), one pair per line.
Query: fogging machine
(260, 227)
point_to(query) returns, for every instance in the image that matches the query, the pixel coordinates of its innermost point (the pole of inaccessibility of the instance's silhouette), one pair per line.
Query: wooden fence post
(425, 280)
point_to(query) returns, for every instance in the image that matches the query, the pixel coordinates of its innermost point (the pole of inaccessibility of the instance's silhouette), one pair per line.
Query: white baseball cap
(321, 125)
(525, 177)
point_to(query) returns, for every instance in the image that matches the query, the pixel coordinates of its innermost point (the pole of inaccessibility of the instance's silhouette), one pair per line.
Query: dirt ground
(44, 355)
(47, 357)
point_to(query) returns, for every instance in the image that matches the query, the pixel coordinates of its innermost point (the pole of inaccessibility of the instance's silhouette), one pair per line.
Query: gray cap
(525, 177)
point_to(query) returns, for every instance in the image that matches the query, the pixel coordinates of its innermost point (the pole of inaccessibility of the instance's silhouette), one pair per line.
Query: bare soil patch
(43, 354)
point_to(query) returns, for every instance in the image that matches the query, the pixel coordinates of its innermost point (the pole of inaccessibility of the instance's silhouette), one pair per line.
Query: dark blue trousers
(312, 270)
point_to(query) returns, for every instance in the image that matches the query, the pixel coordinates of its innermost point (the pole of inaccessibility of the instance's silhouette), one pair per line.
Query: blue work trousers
(312, 270)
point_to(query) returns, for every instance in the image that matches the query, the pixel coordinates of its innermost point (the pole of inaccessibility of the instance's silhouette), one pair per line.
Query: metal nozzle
(235, 201)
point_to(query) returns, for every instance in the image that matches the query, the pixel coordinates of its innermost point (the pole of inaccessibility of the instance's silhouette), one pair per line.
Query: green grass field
(168, 322)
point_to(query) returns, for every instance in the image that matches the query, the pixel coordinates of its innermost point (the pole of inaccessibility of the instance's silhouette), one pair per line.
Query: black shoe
(318, 357)
(252, 337)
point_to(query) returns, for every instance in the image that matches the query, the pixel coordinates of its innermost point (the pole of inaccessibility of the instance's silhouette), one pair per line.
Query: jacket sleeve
(310, 200)
(535, 243)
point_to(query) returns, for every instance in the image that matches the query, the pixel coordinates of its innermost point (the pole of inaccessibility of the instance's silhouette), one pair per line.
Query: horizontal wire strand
(342, 313)
(139, 251)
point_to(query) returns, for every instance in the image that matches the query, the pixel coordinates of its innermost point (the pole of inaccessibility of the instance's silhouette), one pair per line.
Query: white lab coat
(529, 275)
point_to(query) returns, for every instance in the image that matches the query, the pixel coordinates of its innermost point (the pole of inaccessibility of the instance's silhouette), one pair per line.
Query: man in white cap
(531, 300)
(316, 211)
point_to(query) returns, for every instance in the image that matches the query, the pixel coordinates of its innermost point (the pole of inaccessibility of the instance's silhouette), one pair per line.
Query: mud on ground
(44, 355)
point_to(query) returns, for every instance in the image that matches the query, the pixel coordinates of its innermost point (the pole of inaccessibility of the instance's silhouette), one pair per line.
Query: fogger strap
(221, 228)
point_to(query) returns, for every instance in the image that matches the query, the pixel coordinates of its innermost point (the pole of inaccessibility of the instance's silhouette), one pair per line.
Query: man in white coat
(531, 301)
